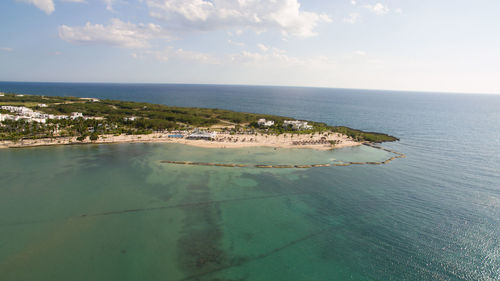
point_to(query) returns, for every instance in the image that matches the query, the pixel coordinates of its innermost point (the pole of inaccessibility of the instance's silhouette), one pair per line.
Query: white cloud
(283, 15)
(109, 4)
(268, 56)
(48, 6)
(6, 49)
(352, 18)
(353, 2)
(398, 11)
(263, 47)
(236, 43)
(118, 33)
(171, 53)
(192, 55)
(278, 58)
(379, 9)
(264, 58)
(45, 5)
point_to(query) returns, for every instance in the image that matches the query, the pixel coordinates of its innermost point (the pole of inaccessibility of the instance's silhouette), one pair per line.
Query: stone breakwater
(248, 166)
(284, 166)
(204, 164)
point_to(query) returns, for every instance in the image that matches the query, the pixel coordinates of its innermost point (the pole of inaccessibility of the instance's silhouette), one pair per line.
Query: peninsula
(31, 120)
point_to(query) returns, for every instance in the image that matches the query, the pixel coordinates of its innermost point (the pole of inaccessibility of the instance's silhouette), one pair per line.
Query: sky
(419, 45)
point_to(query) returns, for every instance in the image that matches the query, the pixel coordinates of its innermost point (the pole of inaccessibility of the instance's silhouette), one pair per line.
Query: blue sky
(446, 45)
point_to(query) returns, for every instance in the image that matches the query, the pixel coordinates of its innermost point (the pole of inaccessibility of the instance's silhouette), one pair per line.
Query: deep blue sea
(434, 215)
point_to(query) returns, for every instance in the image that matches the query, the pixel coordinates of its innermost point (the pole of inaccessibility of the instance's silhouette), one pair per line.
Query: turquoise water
(115, 212)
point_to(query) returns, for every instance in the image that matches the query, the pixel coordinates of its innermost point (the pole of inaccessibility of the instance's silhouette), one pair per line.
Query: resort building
(265, 123)
(201, 135)
(21, 110)
(75, 115)
(2, 94)
(91, 99)
(4, 117)
(297, 125)
(42, 105)
(39, 120)
(132, 118)
(58, 117)
(27, 114)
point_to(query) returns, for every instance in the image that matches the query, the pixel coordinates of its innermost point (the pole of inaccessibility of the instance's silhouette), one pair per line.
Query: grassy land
(27, 104)
(149, 118)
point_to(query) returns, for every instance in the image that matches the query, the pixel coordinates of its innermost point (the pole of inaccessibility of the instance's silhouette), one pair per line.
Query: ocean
(115, 212)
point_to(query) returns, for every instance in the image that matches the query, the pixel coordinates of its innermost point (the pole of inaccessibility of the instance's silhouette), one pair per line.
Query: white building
(265, 123)
(19, 95)
(18, 118)
(75, 115)
(2, 94)
(18, 109)
(24, 113)
(91, 99)
(58, 117)
(4, 117)
(202, 135)
(42, 105)
(297, 125)
(39, 120)
(132, 118)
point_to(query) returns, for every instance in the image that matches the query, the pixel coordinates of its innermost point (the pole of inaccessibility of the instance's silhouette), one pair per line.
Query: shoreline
(310, 141)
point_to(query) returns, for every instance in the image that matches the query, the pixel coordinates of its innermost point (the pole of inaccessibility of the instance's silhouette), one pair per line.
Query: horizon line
(257, 85)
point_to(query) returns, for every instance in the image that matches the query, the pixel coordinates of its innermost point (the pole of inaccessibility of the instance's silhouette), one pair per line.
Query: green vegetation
(363, 136)
(113, 117)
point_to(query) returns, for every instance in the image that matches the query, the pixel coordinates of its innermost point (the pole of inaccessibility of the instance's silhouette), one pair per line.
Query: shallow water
(100, 209)
(115, 212)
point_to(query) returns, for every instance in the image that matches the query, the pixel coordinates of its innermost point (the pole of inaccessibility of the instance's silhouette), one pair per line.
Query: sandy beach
(312, 141)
